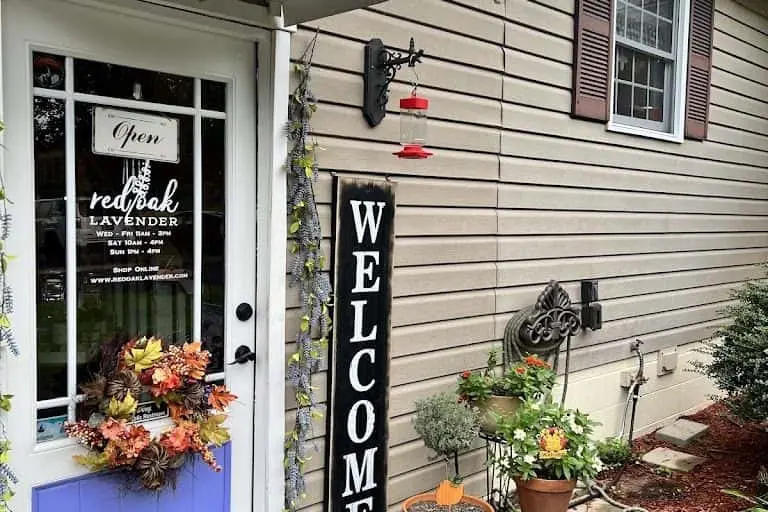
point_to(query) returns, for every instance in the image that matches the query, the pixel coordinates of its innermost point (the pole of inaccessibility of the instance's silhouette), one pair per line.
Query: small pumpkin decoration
(449, 493)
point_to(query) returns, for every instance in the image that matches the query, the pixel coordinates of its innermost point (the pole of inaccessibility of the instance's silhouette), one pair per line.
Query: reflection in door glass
(135, 253)
(48, 71)
(213, 269)
(124, 82)
(213, 95)
(50, 231)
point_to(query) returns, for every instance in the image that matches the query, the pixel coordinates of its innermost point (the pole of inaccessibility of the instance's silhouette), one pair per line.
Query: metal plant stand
(539, 329)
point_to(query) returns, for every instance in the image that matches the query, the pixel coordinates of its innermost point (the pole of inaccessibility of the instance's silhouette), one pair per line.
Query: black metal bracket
(381, 67)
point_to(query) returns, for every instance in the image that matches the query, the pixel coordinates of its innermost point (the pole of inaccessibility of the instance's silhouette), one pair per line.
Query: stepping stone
(596, 505)
(682, 432)
(671, 459)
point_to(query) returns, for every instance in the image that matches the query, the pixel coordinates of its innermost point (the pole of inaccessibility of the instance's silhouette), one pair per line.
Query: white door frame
(272, 97)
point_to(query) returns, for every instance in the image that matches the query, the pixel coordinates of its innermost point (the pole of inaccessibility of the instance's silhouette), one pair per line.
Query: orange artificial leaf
(177, 411)
(220, 398)
(192, 348)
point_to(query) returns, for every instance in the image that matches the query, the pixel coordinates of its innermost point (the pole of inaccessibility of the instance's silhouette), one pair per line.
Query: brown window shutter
(699, 69)
(592, 59)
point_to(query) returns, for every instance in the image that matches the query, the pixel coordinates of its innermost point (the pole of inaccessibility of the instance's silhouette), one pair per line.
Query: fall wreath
(172, 376)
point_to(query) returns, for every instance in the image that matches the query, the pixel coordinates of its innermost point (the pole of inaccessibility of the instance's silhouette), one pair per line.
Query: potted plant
(549, 451)
(447, 427)
(499, 393)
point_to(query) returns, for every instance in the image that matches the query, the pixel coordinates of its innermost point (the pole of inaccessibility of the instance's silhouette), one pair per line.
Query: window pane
(656, 112)
(650, 5)
(649, 29)
(634, 17)
(48, 71)
(51, 247)
(214, 95)
(640, 102)
(623, 105)
(624, 64)
(666, 8)
(641, 68)
(134, 264)
(132, 83)
(621, 18)
(665, 36)
(213, 270)
(658, 68)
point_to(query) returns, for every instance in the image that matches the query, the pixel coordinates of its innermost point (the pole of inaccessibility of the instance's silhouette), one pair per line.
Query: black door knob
(244, 311)
(243, 354)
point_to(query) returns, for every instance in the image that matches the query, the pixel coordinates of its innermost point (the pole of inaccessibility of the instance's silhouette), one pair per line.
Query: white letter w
(368, 222)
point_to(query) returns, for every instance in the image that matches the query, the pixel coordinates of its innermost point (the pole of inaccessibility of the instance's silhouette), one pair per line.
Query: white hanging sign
(134, 135)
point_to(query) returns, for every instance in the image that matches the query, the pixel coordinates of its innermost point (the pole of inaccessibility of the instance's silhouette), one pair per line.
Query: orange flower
(179, 439)
(164, 381)
(466, 374)
(112, 429)
(520, 370)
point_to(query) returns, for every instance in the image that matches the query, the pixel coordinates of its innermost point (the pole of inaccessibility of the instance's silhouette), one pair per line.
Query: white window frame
(675, 93)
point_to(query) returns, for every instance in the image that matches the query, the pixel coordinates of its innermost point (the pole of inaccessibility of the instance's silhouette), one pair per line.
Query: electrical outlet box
(667, 361)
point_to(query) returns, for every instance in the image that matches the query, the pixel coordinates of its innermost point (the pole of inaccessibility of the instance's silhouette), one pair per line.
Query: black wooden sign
(357, 454)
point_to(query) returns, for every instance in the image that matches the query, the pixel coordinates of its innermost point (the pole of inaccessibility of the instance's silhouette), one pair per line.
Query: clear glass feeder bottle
(413, 127)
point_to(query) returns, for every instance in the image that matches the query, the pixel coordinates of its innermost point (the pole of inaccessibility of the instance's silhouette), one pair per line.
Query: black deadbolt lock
(244, 312)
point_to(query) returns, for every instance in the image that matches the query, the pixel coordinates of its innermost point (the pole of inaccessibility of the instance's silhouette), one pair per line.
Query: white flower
(535, 405)
(577, 429)
(529, 459)
(519, 434)
(598, 465)
(580, 451)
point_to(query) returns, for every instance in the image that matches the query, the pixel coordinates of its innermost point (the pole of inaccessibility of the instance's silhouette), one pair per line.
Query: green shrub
(614, 451)
(446, 425)
(739, 364)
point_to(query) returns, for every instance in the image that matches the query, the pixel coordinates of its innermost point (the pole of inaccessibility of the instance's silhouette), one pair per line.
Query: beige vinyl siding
(518, 193)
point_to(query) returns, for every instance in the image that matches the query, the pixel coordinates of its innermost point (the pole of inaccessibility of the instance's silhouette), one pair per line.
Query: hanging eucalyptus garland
(315, 287)
(7, 478)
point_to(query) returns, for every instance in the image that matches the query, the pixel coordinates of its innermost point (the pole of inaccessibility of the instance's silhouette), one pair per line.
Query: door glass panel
(48, 71)
(214, 95)
(124, 82)
(213, 271)
(50, 232)
(135, 264)
(137, 230)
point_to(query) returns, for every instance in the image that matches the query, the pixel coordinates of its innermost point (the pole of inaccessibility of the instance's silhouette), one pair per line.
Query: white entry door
(96, 98)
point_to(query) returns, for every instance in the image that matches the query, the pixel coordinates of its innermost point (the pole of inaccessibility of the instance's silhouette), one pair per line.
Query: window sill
(644, 132)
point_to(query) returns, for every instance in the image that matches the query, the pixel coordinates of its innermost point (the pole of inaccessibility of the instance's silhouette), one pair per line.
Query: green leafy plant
(447, 427)
(308, 274)
(761, 502)
(614, 451)
(531, 378)
(738, 364)
(7, 339)
(549, 441)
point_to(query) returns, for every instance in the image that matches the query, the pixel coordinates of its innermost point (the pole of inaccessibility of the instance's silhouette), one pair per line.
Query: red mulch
(734, 455)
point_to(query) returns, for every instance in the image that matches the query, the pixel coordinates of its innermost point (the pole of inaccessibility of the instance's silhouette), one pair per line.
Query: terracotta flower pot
(539, 495)
(430, 497)
(497, 404)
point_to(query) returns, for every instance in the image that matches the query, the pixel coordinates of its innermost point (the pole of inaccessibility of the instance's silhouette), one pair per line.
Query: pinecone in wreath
(122, 384)
(154, 463)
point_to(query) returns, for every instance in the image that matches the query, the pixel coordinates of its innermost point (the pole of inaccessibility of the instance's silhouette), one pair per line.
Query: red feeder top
(414, 103)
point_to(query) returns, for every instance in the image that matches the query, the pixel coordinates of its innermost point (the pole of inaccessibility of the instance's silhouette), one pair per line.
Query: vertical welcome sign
(357, 454)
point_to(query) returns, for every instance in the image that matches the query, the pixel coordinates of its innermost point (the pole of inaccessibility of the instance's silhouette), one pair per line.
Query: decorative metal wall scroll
(541, 329)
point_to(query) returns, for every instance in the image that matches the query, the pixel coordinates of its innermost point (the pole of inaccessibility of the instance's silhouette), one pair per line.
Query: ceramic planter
(539, 495)
(430, 497)
(496, 404)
